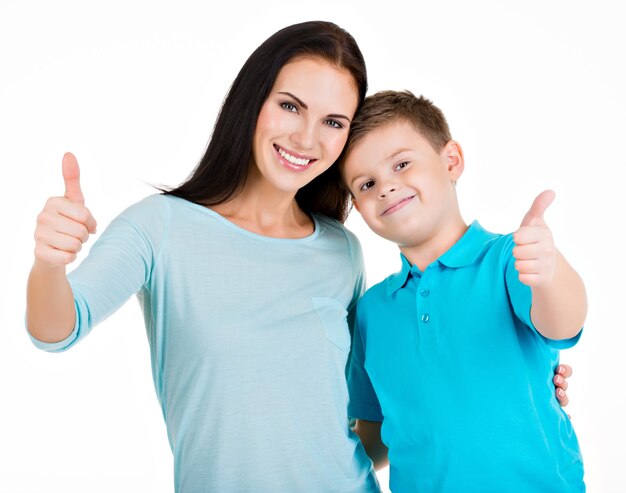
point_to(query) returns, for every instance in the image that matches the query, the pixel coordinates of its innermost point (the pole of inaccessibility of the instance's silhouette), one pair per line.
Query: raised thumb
(71, 177)
(537, 210)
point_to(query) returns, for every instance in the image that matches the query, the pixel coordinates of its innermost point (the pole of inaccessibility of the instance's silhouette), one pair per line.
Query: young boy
(467, 307)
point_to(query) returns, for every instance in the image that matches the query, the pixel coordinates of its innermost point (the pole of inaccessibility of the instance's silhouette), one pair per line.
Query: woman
(245, 275)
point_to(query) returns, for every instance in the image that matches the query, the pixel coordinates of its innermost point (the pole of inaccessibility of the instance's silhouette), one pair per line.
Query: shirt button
(424, 292)
(425, 318)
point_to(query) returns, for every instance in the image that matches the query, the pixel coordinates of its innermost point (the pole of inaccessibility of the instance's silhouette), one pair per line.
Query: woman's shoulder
(336, 228)
(151, 207)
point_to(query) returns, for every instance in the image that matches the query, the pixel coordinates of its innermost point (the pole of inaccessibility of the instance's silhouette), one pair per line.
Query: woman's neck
(267, 212)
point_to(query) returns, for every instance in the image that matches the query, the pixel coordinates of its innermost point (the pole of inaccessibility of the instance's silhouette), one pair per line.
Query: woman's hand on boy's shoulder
(561, 374)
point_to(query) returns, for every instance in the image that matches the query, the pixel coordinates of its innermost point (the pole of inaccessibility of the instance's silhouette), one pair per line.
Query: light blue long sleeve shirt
(248, 340)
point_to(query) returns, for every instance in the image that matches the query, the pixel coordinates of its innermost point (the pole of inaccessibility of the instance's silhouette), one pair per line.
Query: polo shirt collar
(464, 252)
(398, 279)
(469, 247)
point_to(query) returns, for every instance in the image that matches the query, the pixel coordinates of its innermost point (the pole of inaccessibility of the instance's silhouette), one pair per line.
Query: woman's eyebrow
(306, 107)
(336, 115)
(300, 102)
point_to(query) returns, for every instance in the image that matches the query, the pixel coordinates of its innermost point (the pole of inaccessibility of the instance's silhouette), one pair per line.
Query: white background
(533, 90)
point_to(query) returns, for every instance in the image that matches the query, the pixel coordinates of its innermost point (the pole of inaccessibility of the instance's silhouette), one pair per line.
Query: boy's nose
(387, 190)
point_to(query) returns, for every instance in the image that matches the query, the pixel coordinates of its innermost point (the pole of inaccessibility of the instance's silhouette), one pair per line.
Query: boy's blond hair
(389, 106)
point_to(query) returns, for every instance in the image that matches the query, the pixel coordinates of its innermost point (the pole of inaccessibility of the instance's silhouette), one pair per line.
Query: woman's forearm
(50, 313)
(369, 433)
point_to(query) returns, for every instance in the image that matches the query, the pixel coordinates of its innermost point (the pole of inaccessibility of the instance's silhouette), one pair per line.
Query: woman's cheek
(337, 144)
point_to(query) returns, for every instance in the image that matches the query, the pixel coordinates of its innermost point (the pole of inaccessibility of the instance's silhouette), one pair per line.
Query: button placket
(424, 307)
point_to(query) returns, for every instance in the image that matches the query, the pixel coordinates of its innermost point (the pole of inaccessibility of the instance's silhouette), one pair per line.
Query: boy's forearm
(50, 313)
(559, 308)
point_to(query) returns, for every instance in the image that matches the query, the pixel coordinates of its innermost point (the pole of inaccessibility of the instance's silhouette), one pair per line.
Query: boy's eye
(333, 123)
(289, 106)
(401, 165)
(367, 185)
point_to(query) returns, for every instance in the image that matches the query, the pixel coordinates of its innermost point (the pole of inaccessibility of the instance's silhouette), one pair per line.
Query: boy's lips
(397, 205)
(292, 160)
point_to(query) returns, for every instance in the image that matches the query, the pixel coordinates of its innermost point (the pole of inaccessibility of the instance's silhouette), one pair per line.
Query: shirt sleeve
(119, 264)
(358, 267)
(363, 402)
(521, 299)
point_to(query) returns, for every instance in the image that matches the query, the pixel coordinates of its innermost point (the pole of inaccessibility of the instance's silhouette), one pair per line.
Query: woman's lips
(288, 159)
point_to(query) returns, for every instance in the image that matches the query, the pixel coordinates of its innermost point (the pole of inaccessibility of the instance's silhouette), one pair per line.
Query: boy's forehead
(388, 139)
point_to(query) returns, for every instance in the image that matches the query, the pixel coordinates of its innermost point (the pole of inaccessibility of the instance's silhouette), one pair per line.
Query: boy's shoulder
(380, 290)
(475, 245)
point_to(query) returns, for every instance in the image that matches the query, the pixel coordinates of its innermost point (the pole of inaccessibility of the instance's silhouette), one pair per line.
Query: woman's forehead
(318, 81)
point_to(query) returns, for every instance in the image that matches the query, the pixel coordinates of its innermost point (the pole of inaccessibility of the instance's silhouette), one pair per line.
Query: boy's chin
(398, 239)
(405, 241)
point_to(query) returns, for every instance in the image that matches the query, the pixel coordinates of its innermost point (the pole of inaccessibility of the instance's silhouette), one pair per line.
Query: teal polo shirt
(451, 363)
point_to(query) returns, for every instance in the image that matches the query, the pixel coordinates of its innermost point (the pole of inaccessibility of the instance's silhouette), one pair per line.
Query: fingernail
(561, 369)
(559, 379)
(560, 392)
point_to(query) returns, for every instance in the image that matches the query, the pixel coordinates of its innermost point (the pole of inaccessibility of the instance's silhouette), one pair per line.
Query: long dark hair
(222, 171)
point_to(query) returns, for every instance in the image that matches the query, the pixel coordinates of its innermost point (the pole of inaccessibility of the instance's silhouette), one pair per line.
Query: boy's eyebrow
(355, 179)
(391, 157)
(395, 153)
(306, 106)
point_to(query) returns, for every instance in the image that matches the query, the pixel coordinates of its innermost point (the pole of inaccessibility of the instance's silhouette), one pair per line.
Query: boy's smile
(404, 188)
(397, 205)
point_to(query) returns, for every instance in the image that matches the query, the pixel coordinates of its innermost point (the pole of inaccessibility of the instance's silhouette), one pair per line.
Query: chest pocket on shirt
(333, 315)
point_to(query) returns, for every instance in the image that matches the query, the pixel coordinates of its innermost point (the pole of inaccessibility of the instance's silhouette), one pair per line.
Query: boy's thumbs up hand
(535, 252)
(65, 223)
(534, 216)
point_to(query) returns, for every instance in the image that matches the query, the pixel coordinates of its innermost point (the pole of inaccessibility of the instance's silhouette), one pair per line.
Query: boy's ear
(355, 204)
(454, 159)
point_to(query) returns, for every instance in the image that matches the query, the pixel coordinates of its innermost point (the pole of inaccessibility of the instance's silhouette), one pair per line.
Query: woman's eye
(367, 185)
(289, 107)
(401, 165)
(334, 124)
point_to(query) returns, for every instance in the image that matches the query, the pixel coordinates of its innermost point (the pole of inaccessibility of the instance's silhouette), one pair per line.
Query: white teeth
(292, 159)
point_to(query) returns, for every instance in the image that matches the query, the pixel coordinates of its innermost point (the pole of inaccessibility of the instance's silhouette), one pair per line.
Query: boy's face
(402, 187)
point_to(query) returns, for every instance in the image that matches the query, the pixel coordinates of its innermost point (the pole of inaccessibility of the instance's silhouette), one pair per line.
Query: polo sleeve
(118, 265)
(521, 299)
(363, 402)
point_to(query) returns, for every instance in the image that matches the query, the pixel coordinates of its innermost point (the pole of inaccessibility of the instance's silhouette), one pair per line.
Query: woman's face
(303, 124)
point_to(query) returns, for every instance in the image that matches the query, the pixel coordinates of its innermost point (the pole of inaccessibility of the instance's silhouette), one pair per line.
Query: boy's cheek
(368, 215)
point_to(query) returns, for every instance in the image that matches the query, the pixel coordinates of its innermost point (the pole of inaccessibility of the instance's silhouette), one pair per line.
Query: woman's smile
(292, 160)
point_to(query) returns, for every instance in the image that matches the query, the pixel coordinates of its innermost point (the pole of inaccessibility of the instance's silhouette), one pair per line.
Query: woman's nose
(304, 136)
